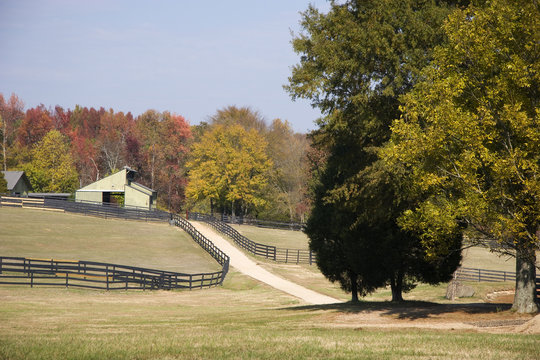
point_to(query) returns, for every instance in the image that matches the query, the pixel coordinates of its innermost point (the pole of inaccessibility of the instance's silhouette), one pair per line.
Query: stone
(456, 290)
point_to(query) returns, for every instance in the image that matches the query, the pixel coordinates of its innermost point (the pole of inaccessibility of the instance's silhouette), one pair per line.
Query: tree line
(235, 163)
(431, 134)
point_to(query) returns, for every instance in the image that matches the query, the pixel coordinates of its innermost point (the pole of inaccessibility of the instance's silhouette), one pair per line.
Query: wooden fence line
(98, 275)
(296, 256)
(254, 222)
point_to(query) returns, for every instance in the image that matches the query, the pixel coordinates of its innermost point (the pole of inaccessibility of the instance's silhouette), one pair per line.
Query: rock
(456, 290)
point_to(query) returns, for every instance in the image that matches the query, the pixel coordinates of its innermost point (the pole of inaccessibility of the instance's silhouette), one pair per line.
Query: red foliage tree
(36, 123)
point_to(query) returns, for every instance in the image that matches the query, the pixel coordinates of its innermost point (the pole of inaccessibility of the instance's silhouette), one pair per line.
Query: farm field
(243, 318)
(44, 234)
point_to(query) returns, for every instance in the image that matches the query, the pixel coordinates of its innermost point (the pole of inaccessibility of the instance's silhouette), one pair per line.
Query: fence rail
(296, 256)
(104, 210)
(256, 222)
(97, 275)
(472, 274)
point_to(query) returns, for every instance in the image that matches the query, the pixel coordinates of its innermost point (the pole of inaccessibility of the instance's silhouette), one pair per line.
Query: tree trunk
(525, 301)
(354, 287)
(396, 284)
(212, 207)
(233, 216)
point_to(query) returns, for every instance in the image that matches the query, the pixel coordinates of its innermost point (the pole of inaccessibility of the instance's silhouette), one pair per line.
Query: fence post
(286, 256)
(32, 279)
(67, 281)
(297, 257)
(310, 258)
(479, 276)
(107, 275)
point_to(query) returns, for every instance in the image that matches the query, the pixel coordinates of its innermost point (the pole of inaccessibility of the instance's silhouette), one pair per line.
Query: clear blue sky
(188, 57)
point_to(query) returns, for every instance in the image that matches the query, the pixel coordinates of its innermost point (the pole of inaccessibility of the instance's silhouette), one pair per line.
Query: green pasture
(45, 234)
(279, 238)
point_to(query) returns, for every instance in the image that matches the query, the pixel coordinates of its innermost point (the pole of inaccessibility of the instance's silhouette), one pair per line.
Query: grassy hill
(45, 234)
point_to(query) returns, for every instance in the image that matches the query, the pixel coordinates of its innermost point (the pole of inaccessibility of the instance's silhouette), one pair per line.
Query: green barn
(119, 185)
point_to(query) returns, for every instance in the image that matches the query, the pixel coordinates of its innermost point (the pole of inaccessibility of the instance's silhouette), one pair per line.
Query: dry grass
(241, 320)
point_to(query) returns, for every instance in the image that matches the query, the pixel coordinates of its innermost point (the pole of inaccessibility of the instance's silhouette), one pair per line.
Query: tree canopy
(355, 62)
(52, 168)
(470, 134)
(229, 166)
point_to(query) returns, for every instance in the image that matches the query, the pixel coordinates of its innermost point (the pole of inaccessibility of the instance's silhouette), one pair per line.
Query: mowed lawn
(45, 234)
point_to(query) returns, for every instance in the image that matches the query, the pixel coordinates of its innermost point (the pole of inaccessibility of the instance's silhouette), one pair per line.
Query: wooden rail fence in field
(97, 275)
(104, 210)
(296, 256)
(472, 274)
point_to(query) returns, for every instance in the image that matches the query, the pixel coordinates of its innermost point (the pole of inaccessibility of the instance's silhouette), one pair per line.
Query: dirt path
(248, 267)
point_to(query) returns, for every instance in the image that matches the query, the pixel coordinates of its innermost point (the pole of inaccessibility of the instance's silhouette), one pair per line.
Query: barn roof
(12, 178)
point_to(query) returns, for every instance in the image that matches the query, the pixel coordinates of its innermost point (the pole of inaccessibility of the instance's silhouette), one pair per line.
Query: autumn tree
(471, 135)
(112, 137)
(355, 62)
(36, 123)
(52, 168)
(174, 135)
(11, 113)
(289, 177)
(244, 116)
(229, 166)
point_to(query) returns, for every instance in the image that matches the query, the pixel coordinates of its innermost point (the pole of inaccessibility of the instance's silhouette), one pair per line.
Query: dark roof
(13, 177)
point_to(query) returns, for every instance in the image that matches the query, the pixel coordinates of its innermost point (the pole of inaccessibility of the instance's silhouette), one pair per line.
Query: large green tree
(471, 135)
(52, 168)
(355, 62)
(229, 166)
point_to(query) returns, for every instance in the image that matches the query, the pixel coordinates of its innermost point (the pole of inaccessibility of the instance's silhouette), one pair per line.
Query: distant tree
(244, 116)
(289, 179)
(230, 167)
(11, 113)
(149, 127)
(471, 134)
(3, 184)
(113, 133)
(52, 168)
(36, 123)
(174, 135)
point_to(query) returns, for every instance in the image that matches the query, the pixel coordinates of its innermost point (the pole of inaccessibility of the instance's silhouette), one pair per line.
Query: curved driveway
(248, 267)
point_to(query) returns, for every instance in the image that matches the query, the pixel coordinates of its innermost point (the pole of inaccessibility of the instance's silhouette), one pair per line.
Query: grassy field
(279, 238)
(44, 234)
(243, 319)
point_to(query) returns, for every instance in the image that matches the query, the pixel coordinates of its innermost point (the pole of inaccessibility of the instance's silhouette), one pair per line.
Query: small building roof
(12, 178)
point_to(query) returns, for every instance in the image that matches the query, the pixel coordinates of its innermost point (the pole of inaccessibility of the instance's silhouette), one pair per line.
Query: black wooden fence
(296, 256)
(97, 275)
(471, 274)
(256, 222)
(103, 210)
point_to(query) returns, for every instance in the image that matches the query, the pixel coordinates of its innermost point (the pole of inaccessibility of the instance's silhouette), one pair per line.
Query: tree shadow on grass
(410, 310)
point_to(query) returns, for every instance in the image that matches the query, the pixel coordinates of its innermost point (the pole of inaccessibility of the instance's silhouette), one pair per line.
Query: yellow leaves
(229, 164)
